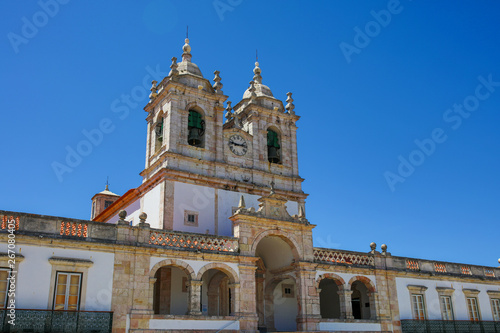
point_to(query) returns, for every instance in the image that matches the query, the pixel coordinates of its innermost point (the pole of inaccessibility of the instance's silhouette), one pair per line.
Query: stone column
(345, 304)
(194, 297)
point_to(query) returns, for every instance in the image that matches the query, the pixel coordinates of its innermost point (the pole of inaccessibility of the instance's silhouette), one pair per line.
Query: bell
(194, 136)
(273, 154)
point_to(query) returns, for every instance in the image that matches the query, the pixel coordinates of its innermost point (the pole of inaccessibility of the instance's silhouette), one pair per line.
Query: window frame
(69, 265)
(67, 291)
(6, 298)
(446, 307)
(187, 213)
(446, 292)
(495, 309)
(6, 262)
(415, 292)
(472, 295)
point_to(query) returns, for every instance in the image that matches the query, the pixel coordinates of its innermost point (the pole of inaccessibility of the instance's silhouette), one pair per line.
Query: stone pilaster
(248, 306)
(307, 297)
(235, 298)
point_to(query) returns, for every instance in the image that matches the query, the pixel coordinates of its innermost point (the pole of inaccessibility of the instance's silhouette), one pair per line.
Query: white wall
(33, 284)
(179, 299)
(151, 205)
(432, 298)
(285, 309)
(133, 210)
(194, 198)
(349, 327)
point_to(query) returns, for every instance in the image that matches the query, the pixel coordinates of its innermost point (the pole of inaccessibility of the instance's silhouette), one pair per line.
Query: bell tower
(201, 157)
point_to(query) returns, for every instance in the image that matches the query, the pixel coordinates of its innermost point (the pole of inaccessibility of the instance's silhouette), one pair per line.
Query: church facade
(216, 239)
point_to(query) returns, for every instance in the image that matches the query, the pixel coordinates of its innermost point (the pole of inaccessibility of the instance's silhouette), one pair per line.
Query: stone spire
(186, 55)
(217, 85)
(241, 204)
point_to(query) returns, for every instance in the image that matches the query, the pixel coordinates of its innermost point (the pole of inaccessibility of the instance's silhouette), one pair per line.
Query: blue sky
(400, 101)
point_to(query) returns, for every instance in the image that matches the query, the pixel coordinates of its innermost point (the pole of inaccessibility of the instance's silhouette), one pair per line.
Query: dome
(260, 89)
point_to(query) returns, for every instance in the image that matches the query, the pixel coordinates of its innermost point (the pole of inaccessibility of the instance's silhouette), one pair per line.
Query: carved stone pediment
(273, 206)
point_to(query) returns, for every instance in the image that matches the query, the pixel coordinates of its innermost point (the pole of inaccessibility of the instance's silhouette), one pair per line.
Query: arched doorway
(170, 291)
(360, 301)
(216, 295)
(275, 282)
(329, 299)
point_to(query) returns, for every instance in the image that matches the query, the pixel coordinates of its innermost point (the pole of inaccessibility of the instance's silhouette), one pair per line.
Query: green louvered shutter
(272, 139)
(195, 120)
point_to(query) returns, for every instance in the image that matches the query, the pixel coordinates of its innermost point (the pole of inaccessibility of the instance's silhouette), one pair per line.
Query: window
(287, 291)
(495, 306)
(473, 308)
(4, 286)
(159, 133)
(273, 147)
(68, 283)
(418, 306)
(445, 302)
(107, 203)
(446, 308)
(191, 218)
(67, 291)
(196, 129)
(417, 295)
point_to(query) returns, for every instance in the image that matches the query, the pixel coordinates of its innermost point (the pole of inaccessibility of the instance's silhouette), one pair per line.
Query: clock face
(238, 145)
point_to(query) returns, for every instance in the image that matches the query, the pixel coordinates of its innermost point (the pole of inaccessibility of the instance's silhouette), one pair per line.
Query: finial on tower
(257, 77)
(241, 204)
(271, 184)
(252, 90)
(289, 107)
(186, 55)
(173, 67)
(153, 90)
(217, 85)
(229, 114)
(107, 183)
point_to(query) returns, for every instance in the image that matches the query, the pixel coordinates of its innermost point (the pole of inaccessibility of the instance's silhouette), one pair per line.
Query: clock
(238, 145)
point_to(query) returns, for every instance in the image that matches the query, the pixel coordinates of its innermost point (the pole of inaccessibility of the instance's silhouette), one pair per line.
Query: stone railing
(64, 227)
(193, 241)
(58, 227)
(444, 268)
(343, 257)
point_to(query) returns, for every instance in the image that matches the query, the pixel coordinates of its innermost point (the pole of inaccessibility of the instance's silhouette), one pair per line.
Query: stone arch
(159, 116)
(233, 276)
(288, 238)
(363, 279)
(195, 107)
(185, 267)
(331, 289)
(336, 278)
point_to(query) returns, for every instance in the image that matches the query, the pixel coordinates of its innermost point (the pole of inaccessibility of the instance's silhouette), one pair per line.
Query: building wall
(34, 276)
(432, 298)
(285, 309)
